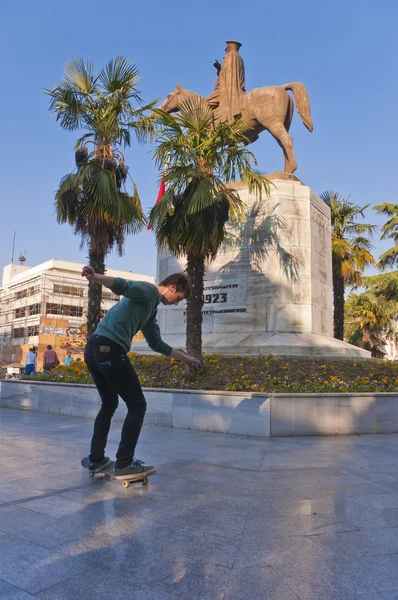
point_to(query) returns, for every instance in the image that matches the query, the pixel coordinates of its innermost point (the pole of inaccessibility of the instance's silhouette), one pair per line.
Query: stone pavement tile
(32, 567)
(233, 505)
(162, 559)
(295, 525)
(211, 520)
(382, 501)
(112, 516)
(199, 582)
(358, 543)
(343, 479)
(142, 559)
(374, 519)
(374, 573)
(280, 484)
(389, 595)
(280, 508)
(263, 550)
(52, 483)
(10, 592)
(194, 487)
(13, 492)
(53, 506)
(384, 476)
(320, 577)
(102, 585)
(192, 546)
(363, 491)
(231, 477)
(335, 505)
(34, 527)
(258, 583)
(357, 513)
(313, 472)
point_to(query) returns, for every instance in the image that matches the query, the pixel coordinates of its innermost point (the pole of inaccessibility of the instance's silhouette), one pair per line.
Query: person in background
(78, 360)
(68, 359)
(30, 362)
(50, 359)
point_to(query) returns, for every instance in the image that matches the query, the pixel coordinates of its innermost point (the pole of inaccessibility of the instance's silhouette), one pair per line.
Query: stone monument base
(269, 290)
(289, 345)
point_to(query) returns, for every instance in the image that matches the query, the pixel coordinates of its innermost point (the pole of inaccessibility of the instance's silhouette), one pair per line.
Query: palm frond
(389, 259)
(79, 76)
(121, 76)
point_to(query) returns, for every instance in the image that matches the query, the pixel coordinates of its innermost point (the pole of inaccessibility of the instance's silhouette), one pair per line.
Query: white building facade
(46, 304)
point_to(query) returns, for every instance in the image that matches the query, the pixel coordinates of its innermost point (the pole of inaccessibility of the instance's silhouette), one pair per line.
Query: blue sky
(345, 52)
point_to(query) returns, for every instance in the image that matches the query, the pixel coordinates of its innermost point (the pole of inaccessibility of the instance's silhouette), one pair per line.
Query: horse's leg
(278, 131)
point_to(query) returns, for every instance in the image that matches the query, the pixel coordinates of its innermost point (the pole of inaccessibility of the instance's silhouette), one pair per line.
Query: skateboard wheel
(91, 474)
(126, 484)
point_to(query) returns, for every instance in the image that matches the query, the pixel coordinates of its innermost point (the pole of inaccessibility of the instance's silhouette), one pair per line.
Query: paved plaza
(227, 517)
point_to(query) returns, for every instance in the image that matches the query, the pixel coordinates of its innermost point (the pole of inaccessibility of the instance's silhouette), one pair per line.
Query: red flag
(161, 192)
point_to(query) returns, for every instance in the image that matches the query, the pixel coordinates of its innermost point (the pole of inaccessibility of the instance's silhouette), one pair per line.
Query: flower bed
(245, 373)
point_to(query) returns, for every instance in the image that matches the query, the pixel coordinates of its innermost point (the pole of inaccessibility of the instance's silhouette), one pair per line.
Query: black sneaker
(136, 467)
(95, 466)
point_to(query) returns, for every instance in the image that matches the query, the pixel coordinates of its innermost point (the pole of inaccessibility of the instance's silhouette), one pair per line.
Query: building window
(32, 290)
(64, 309)
(33, 330)
(34, 309)
(19, 332)
(20, 294)
(19, 312)
(68, 290)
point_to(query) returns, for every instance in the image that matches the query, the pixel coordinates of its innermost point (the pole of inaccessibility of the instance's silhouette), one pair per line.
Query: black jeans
(114, 376)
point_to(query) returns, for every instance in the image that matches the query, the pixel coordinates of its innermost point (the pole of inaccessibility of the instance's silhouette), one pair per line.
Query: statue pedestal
(251, 304)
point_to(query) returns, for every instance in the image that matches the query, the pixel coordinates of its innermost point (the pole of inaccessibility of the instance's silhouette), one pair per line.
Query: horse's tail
(302, 102)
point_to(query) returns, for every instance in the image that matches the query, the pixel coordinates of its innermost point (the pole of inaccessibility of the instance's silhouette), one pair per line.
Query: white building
(46, 304)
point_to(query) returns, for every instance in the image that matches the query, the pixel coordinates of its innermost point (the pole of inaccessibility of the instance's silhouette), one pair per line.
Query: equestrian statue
(266, 108)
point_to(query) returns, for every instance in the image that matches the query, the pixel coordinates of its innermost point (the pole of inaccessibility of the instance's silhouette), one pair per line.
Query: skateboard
(109, 470)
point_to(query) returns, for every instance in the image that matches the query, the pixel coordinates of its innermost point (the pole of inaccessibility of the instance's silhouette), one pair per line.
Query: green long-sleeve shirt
(135, 312)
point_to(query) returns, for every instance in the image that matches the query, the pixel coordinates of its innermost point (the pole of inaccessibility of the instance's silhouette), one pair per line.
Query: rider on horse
(230, 84)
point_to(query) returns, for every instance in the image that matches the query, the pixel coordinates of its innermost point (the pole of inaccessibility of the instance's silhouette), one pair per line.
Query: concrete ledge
(333, 414)
(276, 415)
(224, 412)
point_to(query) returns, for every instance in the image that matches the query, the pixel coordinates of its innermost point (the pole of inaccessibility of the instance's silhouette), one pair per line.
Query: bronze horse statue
(266, 108)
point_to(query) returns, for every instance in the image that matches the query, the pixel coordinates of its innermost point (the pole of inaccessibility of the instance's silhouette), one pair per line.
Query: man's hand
(88, 272)
(192, 363)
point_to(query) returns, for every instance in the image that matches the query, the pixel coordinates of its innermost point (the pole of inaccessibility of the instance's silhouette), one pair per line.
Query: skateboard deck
(109, 470)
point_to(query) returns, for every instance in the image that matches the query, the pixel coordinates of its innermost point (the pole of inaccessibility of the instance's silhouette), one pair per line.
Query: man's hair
(49, 347)
(180, 281)
(31, 350)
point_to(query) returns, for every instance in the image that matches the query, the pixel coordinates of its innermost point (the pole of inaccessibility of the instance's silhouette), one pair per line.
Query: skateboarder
(106, 359)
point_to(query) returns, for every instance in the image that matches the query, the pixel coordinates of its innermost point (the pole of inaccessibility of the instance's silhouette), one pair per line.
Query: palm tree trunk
(97, 261)
(195, 272)
(338, 302)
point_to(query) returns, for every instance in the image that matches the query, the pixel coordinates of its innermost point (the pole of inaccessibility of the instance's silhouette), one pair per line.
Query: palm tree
(200, 158)
(369, 321)
(389, 231)
(351, 251)
(385, 289)
(385, 285)
(94, 199)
